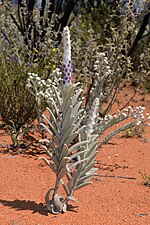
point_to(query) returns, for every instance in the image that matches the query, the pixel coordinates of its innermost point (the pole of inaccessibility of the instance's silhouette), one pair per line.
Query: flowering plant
(72, 147)
(73, 130)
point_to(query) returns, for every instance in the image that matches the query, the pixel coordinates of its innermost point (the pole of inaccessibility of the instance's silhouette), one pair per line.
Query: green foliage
(16, 104)
(17, 136)
(35, 25)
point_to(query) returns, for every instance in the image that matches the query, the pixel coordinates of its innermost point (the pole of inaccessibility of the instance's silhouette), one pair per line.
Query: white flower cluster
(101, 65)
(102, 69)
(102, 74)
(41, 88)
(92, 114)
(136, 114)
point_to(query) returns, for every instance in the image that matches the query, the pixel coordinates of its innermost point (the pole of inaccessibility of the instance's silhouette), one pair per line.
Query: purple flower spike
(67, 64)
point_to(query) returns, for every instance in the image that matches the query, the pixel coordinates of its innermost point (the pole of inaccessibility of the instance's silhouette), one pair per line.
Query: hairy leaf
(49, 164)
(82, 185)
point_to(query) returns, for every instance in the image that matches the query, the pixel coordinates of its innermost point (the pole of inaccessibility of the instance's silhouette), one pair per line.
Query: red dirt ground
(108, 201)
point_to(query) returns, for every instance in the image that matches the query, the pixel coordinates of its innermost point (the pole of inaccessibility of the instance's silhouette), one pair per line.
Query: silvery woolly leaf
(50, 133)
(79, 113)
(75, 173)
(53, 129)
(71, 198)
(80, 168)
(67, 116)
(92, 145)
(91, 151)
(53, 117)
(77, 163)
(47, 196)
(71, 138)
(76, 108)
(72, 181)
(52, 210)
(90, 159)
(62, 172)
(75, 146)
(87, 168)
(81, 129)
(66, 135)
(64, 152)
(63, 163)
(84, 178)
(92, 171)
(65, 110)
(75, 177)
(49, 164)
(94, 137)
(46, 128)
(47, 150)
(53, 157)
(82, 185)
(67, 92)
(51, 145)
(75, 97)
(80, 121)
(76, 154)
(67, 100)
(54, 139)
(67, 122)
(64, 187)
(55, 108)
(70, 185)
(59, 100)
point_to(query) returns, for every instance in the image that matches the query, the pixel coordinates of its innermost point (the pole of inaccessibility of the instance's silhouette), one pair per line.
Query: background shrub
(16, 103)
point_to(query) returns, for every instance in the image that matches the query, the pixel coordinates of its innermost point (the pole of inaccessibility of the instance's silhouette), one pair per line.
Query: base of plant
(57, 204)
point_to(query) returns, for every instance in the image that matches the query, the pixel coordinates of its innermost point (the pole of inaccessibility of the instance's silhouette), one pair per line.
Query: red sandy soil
(108, 201)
